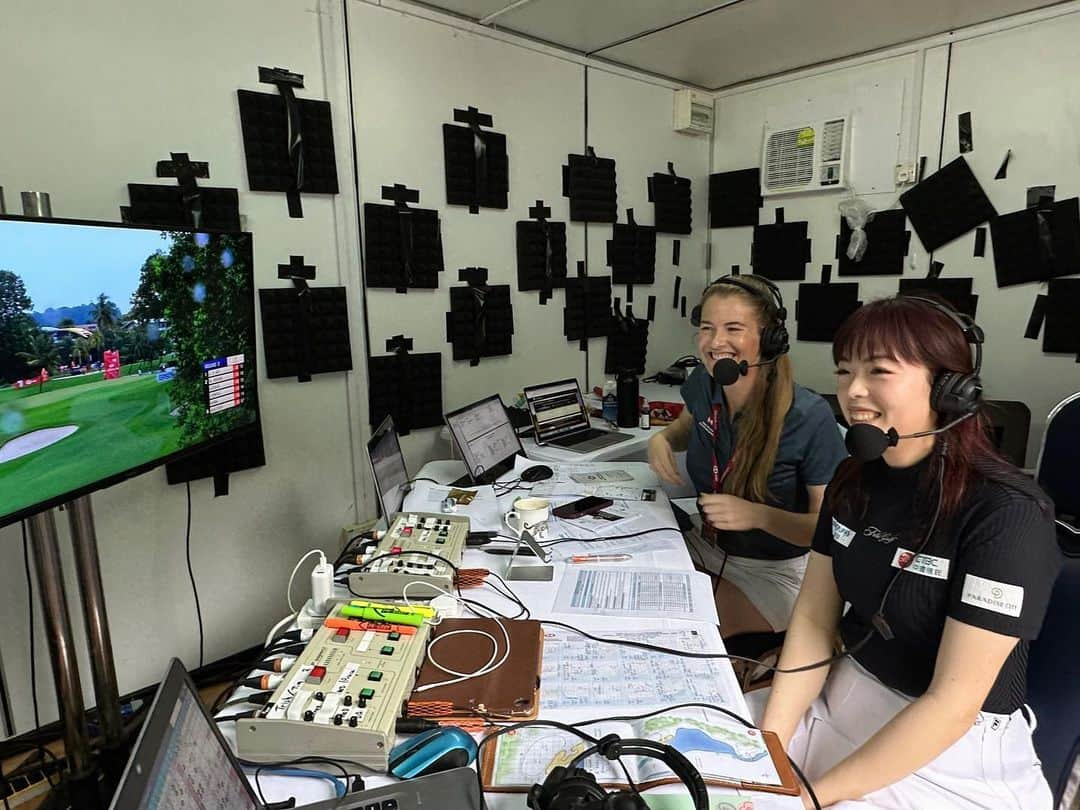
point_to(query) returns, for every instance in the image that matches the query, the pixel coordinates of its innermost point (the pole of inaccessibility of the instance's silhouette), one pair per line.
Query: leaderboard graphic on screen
(121, 347)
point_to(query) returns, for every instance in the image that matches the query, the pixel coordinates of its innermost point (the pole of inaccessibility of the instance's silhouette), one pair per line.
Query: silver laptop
(560, 418)
(181, 762)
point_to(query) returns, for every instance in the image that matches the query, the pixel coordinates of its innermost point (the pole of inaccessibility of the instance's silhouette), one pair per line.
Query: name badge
(925, 564)
(841, 533)
(1000, 597)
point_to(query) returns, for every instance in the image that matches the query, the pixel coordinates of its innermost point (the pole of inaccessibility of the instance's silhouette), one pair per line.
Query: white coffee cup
(531, 514)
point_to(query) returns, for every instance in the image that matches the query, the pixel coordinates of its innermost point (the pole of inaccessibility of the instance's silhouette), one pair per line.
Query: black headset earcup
(774, 341)
(955, 394)
(695, 315)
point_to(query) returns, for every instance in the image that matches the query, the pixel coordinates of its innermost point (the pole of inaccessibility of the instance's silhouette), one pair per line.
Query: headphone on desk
(574, 788)
(775, 340)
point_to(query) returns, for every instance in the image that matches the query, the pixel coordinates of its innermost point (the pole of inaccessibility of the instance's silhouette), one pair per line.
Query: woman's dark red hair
(916, 332)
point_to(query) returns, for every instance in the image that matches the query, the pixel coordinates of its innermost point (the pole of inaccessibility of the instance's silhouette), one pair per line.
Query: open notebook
(724, 752)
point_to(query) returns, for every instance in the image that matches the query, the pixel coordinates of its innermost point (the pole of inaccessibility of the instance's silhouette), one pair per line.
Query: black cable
(191, 573)
(30, 621)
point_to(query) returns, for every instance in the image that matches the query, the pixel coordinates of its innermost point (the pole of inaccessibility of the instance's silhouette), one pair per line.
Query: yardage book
(724, 752)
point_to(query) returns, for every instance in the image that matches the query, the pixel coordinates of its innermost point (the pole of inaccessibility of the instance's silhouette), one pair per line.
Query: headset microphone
(866, 442)
(727, 371)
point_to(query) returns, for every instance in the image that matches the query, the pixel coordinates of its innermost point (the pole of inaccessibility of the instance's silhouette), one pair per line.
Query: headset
(775, 340)
(955, 393)
(574, 788)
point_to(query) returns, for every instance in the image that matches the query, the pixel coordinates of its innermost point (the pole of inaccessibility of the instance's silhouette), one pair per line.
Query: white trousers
(992, 767)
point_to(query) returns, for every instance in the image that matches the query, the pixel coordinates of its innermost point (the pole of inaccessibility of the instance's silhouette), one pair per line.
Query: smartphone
(582, 507)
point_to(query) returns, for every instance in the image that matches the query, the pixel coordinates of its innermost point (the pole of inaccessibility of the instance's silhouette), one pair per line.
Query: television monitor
(122, 347)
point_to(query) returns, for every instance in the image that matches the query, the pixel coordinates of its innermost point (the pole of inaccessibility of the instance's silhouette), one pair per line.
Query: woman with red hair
(945, 556)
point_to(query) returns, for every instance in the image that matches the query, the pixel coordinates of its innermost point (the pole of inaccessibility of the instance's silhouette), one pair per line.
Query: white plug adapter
(322, 586)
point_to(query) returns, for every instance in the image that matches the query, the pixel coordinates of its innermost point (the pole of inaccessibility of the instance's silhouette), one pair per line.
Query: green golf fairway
(122, 423)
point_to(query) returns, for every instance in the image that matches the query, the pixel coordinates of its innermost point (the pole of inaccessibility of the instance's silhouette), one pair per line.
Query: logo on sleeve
(925, 564)
(841, 533)
(990, 594)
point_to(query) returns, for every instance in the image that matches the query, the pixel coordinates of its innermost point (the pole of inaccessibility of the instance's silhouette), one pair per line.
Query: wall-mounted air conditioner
(809, 156)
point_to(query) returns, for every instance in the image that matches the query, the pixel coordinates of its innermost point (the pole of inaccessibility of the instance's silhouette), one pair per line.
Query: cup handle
(513, 514)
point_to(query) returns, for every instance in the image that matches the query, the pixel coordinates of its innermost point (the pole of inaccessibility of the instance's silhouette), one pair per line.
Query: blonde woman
(759, 450)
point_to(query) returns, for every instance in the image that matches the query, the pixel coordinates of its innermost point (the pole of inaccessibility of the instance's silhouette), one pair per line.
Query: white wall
(1014, 82)
(97, 94)
(411, 66)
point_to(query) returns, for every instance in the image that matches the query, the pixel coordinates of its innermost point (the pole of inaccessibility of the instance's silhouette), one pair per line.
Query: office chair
(1057, 470)
(1009, 422)
(1053, 673)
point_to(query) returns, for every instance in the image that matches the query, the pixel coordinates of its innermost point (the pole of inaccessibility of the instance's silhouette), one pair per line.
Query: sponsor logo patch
(925, 564)
(1000, 597)
(841, 533)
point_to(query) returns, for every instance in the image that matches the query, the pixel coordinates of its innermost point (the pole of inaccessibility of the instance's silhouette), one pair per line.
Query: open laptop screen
(181, 761)
(557, 409)
(388, 467)
(485, 437)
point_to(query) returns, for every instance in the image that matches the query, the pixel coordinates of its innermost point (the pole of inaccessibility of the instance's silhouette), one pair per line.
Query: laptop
(181, 762)
(560, 418)
(485, 438)
(388, 468)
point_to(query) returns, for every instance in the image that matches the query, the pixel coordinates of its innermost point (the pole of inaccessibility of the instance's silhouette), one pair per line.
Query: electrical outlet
(905, 173)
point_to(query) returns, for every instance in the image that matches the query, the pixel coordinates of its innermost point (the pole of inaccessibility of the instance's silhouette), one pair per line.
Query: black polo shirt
(992, 565)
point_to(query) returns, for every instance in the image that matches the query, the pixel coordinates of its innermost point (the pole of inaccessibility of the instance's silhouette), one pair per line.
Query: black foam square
(540, 253)
(780, 251)
(947, 204)
(264, 123)
(955, 291)
(886, 246)
(1061, 330)
(407, 387)
(164, 205)
(242, 450)
(480, 327)
(590, 184)
(670, 196)
(283, 334)
(480, 183)
(403, 247)
(1033, 245)
(627, 346)
(587, 313)
(631, 254)
(822, 308)
(734, 198)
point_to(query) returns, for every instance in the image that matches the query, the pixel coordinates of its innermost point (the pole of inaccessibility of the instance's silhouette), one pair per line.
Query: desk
(664, 551)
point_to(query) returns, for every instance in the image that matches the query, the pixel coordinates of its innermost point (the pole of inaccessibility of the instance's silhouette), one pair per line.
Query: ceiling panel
(756, 38)
(587, 25)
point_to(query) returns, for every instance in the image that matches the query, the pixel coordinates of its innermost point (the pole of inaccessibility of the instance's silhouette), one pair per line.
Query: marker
(591, 558)
(377, 615)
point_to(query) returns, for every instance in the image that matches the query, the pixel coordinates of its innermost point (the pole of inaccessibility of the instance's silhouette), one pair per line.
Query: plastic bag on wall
(857, 213)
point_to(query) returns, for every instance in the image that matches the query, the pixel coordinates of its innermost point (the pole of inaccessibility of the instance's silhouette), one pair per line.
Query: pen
(590, 558)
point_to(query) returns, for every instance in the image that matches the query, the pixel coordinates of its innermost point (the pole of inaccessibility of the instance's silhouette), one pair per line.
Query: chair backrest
(1059, 457)
(1009, 422)
(1053, 674)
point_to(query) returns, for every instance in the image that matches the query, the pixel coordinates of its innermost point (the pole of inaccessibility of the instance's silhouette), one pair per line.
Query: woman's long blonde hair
(762, 419)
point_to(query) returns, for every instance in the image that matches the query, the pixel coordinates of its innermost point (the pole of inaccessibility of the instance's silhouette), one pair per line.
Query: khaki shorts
(771, 585)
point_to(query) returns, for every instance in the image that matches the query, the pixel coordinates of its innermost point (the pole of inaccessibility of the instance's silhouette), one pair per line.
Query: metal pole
(58, 634)
(88, 568)
(3, 210)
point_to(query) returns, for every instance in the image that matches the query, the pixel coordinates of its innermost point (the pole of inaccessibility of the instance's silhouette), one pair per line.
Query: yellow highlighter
(422, 610)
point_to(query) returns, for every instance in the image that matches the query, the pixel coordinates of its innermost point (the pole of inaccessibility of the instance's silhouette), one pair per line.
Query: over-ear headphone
(574, 788)
(775, 340)
(954, 393)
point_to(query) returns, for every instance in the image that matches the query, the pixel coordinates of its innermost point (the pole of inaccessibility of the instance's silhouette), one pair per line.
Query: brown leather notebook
(511, 690)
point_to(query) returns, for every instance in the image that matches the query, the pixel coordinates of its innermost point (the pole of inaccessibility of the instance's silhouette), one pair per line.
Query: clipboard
(511, 691)
(789, 784)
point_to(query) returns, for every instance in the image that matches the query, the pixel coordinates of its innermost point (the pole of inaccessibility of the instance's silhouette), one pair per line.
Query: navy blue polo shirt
(809, 451)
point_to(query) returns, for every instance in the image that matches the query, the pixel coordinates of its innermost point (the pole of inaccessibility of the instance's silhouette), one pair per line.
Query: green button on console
(367, 694)
(374, 675)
